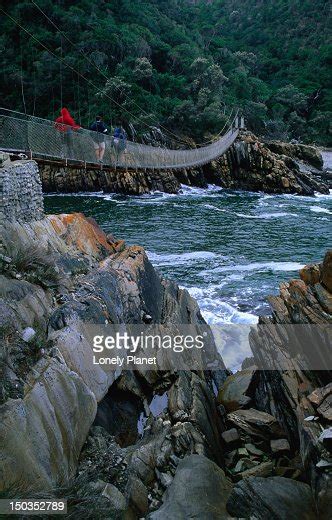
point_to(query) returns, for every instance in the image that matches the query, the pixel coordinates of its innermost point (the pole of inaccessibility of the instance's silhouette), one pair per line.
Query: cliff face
(300, 396)
(73, 180)
(58, 273)
(144, 443)
(255, 166)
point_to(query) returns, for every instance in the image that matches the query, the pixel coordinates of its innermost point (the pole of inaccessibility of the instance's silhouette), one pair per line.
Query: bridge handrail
(43, 138)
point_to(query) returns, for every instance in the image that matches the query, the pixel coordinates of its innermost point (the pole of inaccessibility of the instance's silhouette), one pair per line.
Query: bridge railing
(46, 139)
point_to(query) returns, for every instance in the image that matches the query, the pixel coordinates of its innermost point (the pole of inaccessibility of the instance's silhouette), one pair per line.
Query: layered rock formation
(58, 273)
(73, 180)
(300, 396)
(257, 166)
(249, 165)
(155, 444)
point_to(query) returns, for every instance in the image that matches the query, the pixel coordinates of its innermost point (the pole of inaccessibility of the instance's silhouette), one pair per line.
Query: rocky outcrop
(308, 154)
(252, 165)
(50, 398)
(72, 179)
(274, 497)
(296, 394)
(199, 489)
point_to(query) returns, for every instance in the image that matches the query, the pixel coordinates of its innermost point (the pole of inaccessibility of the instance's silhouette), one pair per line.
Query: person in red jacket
(66, 124)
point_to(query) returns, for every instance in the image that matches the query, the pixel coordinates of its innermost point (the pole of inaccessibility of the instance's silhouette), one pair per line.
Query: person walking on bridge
(99, 130)
(66, 124)
(119, 140)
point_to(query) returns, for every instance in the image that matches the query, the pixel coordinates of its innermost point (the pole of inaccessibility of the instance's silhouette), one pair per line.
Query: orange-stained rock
(82, 233)
(310, 274)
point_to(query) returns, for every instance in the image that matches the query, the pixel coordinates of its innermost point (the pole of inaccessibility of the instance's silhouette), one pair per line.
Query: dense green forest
(182, 64)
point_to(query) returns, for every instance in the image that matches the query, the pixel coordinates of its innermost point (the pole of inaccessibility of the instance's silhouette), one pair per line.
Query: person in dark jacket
(120, 139)
(100, 130)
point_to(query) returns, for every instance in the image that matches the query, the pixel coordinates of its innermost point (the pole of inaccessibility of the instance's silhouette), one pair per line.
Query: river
(230, 249)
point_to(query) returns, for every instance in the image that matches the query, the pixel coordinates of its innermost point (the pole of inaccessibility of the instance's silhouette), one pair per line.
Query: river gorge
(230, 249)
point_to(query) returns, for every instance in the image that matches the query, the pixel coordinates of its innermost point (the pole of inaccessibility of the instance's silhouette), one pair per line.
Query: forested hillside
(177, 63)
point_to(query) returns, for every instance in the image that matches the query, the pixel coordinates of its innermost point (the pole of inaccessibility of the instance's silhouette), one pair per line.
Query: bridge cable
(101, 72)
(70, 66)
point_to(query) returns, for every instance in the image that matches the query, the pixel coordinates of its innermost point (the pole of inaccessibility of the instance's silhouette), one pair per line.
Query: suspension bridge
(41, 139)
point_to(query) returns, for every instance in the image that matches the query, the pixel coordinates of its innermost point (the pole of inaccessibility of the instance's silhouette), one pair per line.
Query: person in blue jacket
(120, 139)
(99, 130)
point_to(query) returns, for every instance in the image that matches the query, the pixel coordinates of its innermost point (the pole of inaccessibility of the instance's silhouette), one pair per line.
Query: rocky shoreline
(250, 164)
(144, 444)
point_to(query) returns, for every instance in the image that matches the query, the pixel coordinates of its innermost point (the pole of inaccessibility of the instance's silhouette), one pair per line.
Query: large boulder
(234, 392)
(256, 423)
(275, 498)
(199, 490)
(42, 434)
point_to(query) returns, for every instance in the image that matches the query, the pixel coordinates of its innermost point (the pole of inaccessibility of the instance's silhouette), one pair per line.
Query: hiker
(66, 124)
(100, 130)
(119, 140)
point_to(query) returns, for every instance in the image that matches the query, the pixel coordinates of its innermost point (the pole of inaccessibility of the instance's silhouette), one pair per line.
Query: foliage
(175, 63)
(32, 262)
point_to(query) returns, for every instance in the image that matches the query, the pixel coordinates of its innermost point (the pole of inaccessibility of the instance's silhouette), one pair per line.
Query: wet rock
(305, 153)
(310, 274)
(318, 395)
(234, 392)
(292, 395)
(265, 469)
(138, 495)
(119, 287)
(279, 446)
(252, 165)
(131, 182)
(199, 490)
(253, 450)
(28, 334)
(45, 422)
(115, 498)
(324, 464)
(276, 498)
(164, 478)
(231, 438)
(256, 423)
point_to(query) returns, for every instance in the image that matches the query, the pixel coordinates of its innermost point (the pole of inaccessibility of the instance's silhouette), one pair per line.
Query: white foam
(247, 215)
(266, 215)
(215, 310)
(256, 266)
(100, 194)
(179, 258)
(211, 206)
(194, 190)
(319, 209)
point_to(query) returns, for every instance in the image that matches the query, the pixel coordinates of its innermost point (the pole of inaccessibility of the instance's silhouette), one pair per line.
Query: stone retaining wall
(21, 196)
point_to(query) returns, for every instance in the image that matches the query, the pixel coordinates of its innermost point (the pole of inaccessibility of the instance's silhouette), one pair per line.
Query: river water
(230, 249)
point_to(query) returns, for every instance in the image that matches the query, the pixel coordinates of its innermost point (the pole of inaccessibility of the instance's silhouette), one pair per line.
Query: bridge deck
(41, 138)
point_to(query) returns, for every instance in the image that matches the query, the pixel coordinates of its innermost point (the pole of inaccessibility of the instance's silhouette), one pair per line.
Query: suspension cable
(178, 139)
(69, 66)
